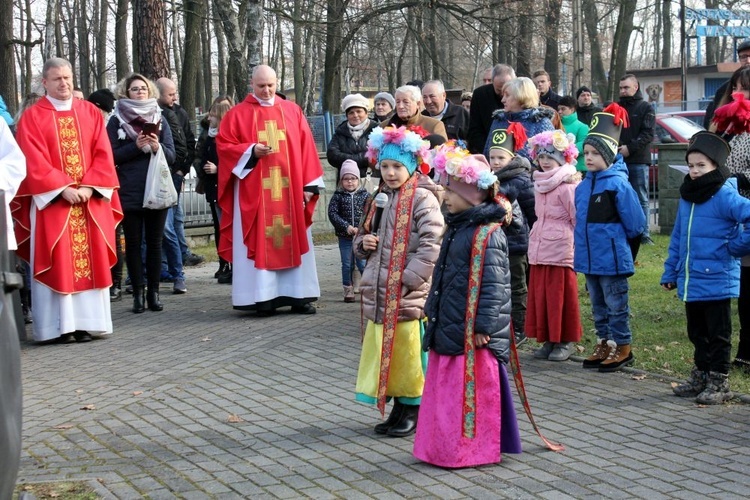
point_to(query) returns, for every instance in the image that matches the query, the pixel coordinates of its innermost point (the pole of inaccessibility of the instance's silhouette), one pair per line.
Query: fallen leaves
(88, 407)
(205, 339)
(638, 376)
(64, 426)
(137, 393)
(234, 419)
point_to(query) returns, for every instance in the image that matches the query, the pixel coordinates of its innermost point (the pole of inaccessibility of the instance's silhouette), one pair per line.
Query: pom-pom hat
(467, 175)
(355, 101)
(711, 145)
(509, 139)
(398, 144)
(604, 131)
(556, 144)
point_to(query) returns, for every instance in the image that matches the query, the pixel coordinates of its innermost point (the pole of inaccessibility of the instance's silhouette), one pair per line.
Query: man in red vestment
(66, 210)
(269, 177)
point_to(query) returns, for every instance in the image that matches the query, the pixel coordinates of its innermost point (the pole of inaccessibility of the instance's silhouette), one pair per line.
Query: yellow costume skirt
(408, 364)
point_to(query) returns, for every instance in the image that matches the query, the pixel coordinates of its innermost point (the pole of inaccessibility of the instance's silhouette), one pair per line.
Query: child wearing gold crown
(401, 248)
(553, 316)
(467, 416)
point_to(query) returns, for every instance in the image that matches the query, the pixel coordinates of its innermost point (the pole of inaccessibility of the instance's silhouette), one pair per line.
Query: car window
(680, 129)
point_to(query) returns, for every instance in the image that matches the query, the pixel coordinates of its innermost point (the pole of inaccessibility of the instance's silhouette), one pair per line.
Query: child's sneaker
(601, 351)
(619, 356)
(716, 391)
(694, 385)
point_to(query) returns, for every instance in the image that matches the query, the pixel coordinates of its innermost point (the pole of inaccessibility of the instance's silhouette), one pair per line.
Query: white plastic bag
(160, 192)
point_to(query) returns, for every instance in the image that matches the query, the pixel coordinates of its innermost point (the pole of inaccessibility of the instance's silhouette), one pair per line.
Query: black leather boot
(407, 424)
(393, 418)
(139, 299)
(152, 298)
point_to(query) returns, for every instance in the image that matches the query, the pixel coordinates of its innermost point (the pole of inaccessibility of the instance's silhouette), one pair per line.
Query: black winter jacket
(132, 163)
(446, 303)
(639, 135)
(551, 99)
(483, 103)
(516, 184)
(346, 209)
(344, 147)
(456, 121)
(586, 113)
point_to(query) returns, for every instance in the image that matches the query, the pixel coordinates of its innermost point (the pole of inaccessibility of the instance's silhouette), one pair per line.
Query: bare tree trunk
(712, 43)
(237, 60)
(58, 26)
(193, 14)
(254, 35)
(666, 44)
(620, 45)
(551, 53)
(297, 52)
(334, 50)
(69, 22)
(221, 49)
(153, 61)
(177, 48)
(122, 60)
(84, 50)
(100, 36)
(598, 76)
(207, 69)
(27, 72)
(7, 60)
(524, 42)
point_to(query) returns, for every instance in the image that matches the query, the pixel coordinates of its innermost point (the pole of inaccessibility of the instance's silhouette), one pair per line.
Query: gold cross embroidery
(272, 135)
(275, 182)
(278, 231)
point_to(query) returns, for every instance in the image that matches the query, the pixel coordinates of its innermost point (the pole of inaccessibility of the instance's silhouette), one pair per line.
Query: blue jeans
(171, 252)
(348, 261)
(638, 177)
(609, 304)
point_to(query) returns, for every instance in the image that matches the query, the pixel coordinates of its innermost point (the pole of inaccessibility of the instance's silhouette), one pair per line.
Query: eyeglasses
(138, 89)
(743, 57)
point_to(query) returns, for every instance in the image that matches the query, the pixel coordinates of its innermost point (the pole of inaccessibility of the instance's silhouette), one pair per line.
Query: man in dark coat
(635, 142)
(454, 117)
(485, 101)
(585, 107)
(547, 96)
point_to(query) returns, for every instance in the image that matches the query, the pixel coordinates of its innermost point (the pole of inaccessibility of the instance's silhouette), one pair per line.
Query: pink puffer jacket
(551, 238)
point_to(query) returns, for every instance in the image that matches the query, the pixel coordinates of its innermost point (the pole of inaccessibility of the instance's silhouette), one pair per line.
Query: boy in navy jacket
(608, 218)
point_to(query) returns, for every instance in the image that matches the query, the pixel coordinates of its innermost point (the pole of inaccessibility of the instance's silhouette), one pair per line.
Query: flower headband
(410, 149)
(554, 141)
(451, 160)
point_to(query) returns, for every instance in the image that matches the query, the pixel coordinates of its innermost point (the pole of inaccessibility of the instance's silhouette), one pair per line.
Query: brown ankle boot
(348, 294)
(618, 357)
(601, 351)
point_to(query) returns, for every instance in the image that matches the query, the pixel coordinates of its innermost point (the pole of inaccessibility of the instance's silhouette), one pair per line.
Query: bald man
(269, 180)
(454, 117)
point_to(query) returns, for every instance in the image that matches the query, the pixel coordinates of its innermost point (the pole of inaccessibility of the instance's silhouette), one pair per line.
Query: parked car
(670, 128)
(695, 115)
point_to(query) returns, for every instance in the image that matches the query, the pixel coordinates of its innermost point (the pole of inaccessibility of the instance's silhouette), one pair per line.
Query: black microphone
(381, 200)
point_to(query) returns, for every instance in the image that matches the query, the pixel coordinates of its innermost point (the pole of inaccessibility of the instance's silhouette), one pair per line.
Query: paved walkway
(163, 392)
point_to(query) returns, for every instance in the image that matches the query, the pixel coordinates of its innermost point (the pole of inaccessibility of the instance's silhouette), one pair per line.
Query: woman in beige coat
(401, 249)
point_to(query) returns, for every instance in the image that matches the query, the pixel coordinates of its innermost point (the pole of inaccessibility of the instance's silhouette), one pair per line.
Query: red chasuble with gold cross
(74, 245)
(274, 216)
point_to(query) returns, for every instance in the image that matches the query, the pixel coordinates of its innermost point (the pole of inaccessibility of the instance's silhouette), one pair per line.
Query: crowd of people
(460, 225)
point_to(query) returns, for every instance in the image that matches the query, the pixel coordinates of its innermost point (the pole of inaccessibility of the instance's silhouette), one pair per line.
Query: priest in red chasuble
(269, 178)
(66, 211)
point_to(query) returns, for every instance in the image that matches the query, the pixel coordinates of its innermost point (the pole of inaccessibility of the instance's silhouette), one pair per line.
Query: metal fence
(195, 207)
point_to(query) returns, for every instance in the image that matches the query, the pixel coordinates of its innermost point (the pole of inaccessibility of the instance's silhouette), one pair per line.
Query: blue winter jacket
(446, 303)
(706, 240)
(533, 120)
(608, 214)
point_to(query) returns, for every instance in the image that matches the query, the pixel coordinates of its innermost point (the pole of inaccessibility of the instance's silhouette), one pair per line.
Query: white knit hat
(355, 100)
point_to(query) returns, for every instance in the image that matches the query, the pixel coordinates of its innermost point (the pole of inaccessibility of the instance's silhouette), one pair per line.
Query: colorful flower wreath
(554, 139)
(406, 140)
(450, 159)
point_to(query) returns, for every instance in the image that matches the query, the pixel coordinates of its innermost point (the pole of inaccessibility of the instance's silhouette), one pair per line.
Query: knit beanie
(349, 167)
(386, 97)
(581, 90)
(355, 101)
(103, 99)
(398, 144)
